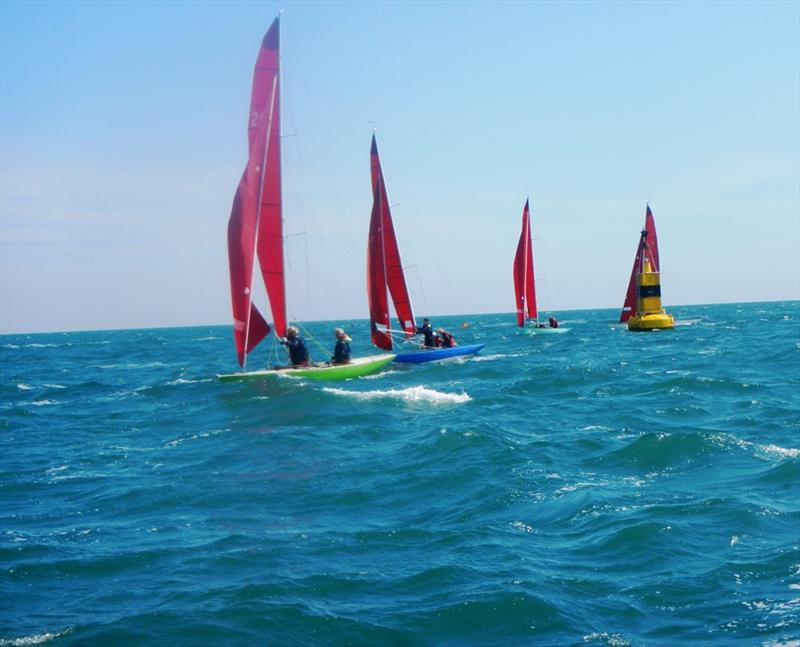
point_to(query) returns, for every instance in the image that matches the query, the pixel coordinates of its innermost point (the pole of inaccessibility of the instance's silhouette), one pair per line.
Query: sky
(123, 138)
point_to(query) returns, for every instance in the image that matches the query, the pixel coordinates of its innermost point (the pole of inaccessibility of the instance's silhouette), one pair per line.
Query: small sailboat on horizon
(525, 283)
(642, 309)
(255, 231)
(385, 277)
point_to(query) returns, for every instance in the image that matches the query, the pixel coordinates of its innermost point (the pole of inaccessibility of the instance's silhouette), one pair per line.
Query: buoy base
(657, 321)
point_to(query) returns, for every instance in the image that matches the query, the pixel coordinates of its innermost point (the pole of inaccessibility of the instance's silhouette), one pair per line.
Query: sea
(596, 487)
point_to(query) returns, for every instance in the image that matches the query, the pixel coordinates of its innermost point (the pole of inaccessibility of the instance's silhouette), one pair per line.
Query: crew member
(427, 330)
(553, 322)
(341, 353)
(298, 353)
(447, 339)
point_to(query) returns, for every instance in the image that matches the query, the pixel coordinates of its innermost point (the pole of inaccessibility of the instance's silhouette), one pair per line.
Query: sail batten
(255, 225)
(524, 282)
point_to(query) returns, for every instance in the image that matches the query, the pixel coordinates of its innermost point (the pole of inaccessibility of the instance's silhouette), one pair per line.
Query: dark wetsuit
(553, 322)
(298, 353)
(427, 331)
(341, 354)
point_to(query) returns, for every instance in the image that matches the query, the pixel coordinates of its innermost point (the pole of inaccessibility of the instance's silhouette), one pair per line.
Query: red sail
(524, 285)
(255, 222)
(266, 87)
(376, 274)
(395, 278)
(647, 250)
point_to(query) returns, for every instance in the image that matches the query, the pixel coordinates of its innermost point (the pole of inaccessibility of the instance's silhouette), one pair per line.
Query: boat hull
(658, 321)
(359, 367)
(434, 354)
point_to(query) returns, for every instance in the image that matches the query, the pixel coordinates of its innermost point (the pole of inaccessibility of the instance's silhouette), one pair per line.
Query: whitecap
(412, 394)
(24, 387)
(41, 346)
(181, 380)
(55, 386)
(783, 452)
(11, 346)
(43, 403)
(36, 639)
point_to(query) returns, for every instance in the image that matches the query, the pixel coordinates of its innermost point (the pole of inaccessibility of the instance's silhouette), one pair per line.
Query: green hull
(357, 368)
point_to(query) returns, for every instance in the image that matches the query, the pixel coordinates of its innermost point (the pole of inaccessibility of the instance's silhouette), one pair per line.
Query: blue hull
(434, 354)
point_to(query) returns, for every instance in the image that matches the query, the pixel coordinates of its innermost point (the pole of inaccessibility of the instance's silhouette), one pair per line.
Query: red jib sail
(646, 250)
(393, 268)
(255, 224)
(524, 285)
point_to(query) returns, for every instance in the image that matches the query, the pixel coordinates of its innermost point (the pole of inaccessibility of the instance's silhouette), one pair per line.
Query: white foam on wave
(766, 451)
(181, 380)
(36, 345)
(783, 452)
(43, 403)
(24, 387)
(55, 386)
(36, 639)
(412, 394)
(11, 346)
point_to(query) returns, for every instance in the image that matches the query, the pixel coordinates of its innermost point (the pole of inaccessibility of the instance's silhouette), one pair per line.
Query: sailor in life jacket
(447, 340)
(341, 353)
(298, 353)
(553, 322)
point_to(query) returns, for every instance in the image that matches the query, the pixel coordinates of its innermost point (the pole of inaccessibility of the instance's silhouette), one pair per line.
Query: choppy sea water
(598, 487)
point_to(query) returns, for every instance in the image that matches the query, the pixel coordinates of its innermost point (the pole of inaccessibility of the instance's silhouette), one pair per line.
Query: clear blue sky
(123, 136)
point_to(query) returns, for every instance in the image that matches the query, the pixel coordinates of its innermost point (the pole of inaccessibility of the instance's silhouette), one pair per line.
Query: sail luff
(395, 277)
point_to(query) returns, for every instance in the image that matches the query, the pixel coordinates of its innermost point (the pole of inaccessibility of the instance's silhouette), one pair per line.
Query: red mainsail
(376, 275)
(392, 265)
(255, 224)
(524, 284)
(646, 250)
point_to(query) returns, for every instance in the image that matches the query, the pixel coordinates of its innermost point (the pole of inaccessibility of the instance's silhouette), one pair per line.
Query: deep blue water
(599, 487)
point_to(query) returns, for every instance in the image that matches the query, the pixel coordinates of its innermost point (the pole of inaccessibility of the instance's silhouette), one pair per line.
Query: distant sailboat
(385, 271)
(525, 283)
(642, 308)
(255, 229)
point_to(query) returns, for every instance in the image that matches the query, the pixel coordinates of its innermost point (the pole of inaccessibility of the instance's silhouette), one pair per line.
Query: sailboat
(525, 284)
(385, 273)
(642, 308)
(255, 230)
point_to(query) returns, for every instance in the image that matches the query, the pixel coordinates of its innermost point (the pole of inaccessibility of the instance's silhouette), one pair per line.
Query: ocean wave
(44, 403)
(412, 394)
(24, 387)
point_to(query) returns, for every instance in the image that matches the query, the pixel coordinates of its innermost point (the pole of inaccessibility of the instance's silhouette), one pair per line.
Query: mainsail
(646, 250)
(524, 285)
(255, 225)
(384, 267)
